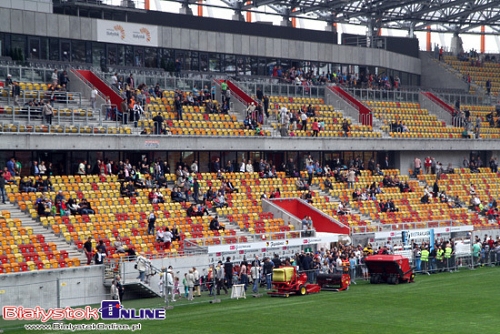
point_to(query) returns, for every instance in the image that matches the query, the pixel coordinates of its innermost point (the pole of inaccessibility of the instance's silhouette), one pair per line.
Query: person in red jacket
(428, 164)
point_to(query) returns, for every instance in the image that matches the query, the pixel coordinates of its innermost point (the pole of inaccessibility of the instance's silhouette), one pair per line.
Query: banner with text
(273, 244)
(127, 33)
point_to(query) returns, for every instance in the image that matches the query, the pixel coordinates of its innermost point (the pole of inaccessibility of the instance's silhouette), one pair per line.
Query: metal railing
(271, 89)
(385, 95)
(405, 226)
(27, 74)
(16, 127)
(167, 82)
(63, 97)
(464, 99)
(32, 115)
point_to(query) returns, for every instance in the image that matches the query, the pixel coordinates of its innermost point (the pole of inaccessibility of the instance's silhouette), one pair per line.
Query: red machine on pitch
(287, 281)
(391, 269)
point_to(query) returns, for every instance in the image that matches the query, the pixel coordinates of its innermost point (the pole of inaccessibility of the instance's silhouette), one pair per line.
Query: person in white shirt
(249, 167)
(243, 167)
(170, 285)
(255, 273)
(161, 283)
(194, 167)
(81, 168)
(55, 78)
(196, 281)
(93, 97)
(160, 235)
(167, 238)
(303, 118)
(114, 80)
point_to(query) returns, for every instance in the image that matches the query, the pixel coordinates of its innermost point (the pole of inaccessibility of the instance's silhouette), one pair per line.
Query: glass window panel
(240, 66)
(139, 57)
(151, 57)
(34, 48)
(44, 48)
(18, 47)
(262, 70)
(97, 53)
(78, 51)
(214, 62)
(253, 65)
(65, 51)
(195, 61)
(129, 56)
(168, 60)
(120, 52)
(112, 55)
(203, 62)
(230, 64)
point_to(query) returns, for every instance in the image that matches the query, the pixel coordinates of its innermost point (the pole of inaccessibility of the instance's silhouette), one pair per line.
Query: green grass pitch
(460, 302)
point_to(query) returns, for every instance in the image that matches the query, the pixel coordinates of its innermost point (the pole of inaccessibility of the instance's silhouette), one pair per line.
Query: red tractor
(287, 281)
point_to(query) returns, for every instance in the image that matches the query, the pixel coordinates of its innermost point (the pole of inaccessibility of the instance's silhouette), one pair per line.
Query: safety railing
(59, 97)
(401, 95)
(55, 129)
(32, 116)
(465, 99)
(277, 89)
(405, 226)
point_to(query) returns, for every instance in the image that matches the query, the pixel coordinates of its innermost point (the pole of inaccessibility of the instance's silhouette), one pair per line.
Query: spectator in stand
(493, 164)
(417, 165)
(2, 186)
(303, 119)
(87, 248)
(315, 128)
(8, 176)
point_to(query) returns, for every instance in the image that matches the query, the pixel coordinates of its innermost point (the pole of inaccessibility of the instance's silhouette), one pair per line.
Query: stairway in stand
(37, 228)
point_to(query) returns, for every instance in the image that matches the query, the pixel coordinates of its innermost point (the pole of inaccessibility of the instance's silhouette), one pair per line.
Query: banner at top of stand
(127, 33)
(423, 232)
(274, 243)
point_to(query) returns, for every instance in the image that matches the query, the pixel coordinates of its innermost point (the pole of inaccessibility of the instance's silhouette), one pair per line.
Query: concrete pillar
(237, 16)
(286, 22)
(185, 10)
(456, 44)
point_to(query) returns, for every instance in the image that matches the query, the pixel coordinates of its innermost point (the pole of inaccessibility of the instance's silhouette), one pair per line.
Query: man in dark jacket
(228, 271)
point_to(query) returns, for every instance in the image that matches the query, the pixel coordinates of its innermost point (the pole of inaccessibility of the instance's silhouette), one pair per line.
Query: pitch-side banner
(127, 33)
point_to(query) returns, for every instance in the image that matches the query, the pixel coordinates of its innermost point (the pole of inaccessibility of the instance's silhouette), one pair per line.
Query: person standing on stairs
(2, 187)
(93, 97)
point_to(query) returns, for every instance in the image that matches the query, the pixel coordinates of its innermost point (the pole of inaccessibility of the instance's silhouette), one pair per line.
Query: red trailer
(391, 269)
(286, 282)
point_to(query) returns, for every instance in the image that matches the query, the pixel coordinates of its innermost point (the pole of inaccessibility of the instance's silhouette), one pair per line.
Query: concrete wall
(269, 206)
(82, 28)
(455, 157)
(434, 108)
(41, 6)
(53, 288)
(38, 141)
(82, 285)
(436, 76)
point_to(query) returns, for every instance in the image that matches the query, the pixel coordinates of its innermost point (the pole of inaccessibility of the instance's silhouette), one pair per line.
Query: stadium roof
(443, 15)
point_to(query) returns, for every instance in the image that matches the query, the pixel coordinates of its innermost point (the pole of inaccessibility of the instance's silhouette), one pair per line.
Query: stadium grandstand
(133, 137)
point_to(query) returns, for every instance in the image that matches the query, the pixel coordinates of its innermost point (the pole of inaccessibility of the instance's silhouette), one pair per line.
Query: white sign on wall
(127, 33)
